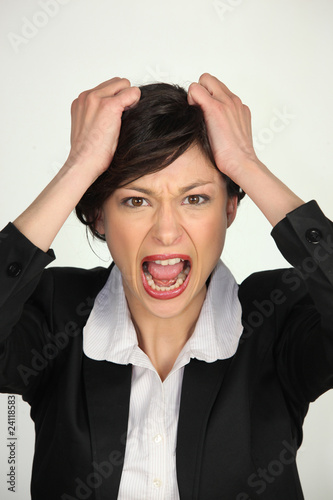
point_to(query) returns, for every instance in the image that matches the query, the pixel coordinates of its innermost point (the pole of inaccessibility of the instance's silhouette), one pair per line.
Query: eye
(135, 202)
(194, 199)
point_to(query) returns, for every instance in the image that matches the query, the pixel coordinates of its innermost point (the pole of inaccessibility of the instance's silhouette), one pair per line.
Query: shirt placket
(157, 445)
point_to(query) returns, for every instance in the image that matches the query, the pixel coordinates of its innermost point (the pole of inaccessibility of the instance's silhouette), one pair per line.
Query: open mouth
(166, 277)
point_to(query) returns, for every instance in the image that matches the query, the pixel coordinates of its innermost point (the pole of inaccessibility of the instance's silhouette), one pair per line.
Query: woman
(160, 377)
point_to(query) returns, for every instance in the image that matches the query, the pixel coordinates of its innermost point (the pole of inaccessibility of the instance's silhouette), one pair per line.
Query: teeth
(180, 278)
(168, 262)
(152, 285)
(178, 283)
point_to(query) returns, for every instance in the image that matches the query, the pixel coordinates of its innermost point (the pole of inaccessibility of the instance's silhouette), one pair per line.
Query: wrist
(269, 193)
(243, 170)
(81, 169)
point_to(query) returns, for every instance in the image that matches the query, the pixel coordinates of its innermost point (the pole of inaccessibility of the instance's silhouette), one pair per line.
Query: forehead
(193, 166)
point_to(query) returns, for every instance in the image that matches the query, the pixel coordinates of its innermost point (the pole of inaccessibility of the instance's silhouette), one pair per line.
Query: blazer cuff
(305, 239)
(20, 261)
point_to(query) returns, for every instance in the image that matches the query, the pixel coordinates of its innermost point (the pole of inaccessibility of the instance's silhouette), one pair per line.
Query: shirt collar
(109, 333)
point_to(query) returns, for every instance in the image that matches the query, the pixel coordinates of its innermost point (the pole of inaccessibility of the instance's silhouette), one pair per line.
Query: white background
(276, 55)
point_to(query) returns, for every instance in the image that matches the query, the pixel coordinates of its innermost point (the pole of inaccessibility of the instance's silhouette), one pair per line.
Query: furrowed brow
(184, 189)
(181, 191)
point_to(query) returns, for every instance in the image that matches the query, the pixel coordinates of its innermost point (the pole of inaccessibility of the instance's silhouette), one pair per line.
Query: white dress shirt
(149, 470)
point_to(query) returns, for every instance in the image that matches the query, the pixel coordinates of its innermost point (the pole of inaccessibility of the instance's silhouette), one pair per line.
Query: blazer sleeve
(304, 351)
(23, 326)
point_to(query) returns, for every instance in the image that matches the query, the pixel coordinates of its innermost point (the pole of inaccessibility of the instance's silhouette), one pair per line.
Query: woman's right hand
(96, 121)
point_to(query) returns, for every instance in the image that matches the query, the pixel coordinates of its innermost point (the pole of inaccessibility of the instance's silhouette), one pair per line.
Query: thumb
(197, 94)
(129, 97)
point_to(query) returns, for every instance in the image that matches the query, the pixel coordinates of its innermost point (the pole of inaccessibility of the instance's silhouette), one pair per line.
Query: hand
(96, 122)
(228, 123)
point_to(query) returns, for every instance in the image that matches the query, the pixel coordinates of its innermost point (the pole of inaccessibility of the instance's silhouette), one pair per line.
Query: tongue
(165, 272)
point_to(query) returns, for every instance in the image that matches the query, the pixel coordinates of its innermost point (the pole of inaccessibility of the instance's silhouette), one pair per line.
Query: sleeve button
(313, 235)
(14, 269)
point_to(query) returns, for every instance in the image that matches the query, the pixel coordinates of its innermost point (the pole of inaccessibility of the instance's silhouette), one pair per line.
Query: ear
(231, 210)
(99, 223)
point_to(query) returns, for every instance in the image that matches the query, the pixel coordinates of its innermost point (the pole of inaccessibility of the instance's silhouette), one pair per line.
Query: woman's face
(182, 213)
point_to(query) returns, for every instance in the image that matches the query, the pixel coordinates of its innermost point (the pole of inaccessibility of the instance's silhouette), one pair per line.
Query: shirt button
(313, 235)
(157, 483)
(158, 438)
(14, 269)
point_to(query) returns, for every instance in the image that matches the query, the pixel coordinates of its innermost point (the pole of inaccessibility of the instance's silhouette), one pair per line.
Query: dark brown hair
(154, 133)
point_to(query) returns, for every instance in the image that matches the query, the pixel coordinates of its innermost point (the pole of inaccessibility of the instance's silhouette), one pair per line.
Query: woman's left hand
(228, 123)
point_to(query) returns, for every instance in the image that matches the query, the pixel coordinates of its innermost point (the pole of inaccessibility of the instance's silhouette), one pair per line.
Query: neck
(162, 339)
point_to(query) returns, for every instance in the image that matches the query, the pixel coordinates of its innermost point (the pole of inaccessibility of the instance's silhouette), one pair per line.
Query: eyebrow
(181, 191)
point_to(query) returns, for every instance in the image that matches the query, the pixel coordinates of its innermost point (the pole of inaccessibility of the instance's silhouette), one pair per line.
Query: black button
(313, 235)
(14, 269)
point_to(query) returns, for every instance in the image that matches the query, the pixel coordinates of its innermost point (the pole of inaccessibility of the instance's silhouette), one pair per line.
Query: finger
(214, 86)
(107, 88)
(112, 87)
(197, 94)
(127, 98)
(248, 119)
(107, 82)
(221, 92)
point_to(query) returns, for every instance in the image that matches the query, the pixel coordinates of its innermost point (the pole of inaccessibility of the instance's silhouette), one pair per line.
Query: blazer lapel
(201, 384)
(108, 389)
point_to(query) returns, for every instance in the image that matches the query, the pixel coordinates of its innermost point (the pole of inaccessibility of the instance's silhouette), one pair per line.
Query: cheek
(116, 240)
(212, 232)
(123, 242)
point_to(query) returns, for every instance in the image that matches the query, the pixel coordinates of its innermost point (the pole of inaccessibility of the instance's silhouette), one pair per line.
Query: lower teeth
(152, 285)
(180, 280)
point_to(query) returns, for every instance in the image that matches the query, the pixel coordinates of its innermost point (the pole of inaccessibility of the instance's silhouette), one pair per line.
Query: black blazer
(240, 420)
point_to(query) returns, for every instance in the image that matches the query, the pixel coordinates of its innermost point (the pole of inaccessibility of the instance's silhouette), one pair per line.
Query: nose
(167, 230)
